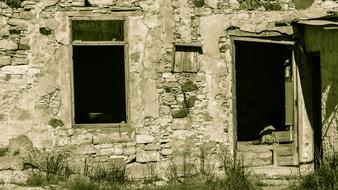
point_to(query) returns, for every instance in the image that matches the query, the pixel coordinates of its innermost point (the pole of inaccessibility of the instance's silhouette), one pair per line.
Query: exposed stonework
(166, 110)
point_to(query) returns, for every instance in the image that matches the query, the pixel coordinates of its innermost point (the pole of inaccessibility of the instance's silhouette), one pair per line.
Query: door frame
(233, 132)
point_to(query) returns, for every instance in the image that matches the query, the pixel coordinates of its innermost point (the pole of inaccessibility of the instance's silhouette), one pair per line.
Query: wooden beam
(99, 43)
(248, 39)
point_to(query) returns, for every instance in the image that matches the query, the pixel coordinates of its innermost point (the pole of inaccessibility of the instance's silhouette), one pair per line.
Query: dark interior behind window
(99, 84)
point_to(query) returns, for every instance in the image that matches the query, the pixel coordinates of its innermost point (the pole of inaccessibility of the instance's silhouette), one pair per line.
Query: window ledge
(112, 127)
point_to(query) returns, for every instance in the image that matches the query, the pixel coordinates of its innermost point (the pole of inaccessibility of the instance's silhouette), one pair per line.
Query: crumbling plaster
(35, 74)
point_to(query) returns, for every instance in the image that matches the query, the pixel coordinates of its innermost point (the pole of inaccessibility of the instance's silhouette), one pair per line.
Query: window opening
(98, 30)
(98, 72)
(186, 58)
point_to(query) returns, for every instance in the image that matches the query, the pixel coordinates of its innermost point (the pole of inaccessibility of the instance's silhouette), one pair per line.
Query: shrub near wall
(324, 178)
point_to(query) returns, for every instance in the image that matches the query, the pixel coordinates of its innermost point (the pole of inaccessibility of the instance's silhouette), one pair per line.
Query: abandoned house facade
(138, 81)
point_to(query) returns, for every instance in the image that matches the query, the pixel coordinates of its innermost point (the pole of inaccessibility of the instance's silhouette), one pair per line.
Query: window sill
(111, 127)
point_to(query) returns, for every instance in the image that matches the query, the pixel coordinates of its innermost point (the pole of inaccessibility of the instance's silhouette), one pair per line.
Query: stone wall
(35, 75)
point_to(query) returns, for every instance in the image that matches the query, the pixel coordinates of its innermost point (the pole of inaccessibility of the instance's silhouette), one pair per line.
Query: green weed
(53, 163)
(324, 178)
(14, 3)
(3, 151)
(111, 173)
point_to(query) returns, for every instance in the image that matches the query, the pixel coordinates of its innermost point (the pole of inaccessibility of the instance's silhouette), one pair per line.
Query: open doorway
(315, 104)
(262, 70)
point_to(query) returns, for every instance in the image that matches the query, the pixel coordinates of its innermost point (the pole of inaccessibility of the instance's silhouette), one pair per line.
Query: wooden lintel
(189, 44)
(108, 43)
(249, 39)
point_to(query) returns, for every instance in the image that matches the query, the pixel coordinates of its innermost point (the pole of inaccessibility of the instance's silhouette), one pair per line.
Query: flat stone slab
(274, 172)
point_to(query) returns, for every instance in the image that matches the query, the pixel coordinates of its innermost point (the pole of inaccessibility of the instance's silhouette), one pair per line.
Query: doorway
(261, 70)
(316, 114)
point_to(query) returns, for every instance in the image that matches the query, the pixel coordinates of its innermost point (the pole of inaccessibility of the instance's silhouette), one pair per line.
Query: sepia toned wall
(321, 40)
(36, 86)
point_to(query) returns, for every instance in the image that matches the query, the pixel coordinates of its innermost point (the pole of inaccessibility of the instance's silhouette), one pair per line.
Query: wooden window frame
(195, 45)
(123, 43)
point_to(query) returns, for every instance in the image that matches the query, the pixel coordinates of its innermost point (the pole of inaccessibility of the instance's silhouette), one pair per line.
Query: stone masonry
(168, 111)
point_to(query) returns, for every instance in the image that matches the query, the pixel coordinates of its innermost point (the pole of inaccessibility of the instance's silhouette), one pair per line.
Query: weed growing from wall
(107, 172)
(45, 31)
(236, 175)
(188, 102)
(78, 182)
(3, 151)
(184, 168)
(152, 176)
(323, 178)
(55, 123)
(52, 163)
(255, 4)
(14, 3)
(199, 3)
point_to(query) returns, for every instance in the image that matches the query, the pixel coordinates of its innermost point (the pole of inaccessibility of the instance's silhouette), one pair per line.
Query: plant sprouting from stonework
(45, 31)
(14, 3)
(3, 151)
(254, 4)
(53, 162)
(199, 3)
(188, 102)
(55, 123)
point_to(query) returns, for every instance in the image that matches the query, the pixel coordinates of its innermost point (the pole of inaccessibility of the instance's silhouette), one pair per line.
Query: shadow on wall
(319, 82)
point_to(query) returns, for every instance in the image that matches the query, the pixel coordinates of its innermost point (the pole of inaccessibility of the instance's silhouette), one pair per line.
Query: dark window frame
(100, 43)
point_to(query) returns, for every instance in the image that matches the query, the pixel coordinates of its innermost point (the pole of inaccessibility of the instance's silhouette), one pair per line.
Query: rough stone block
(101, 146)
(147, 156)
(169, 99)
(24, 47)
(18, 22)
(142, 139)
(41, 137)
(20, 145)
(137, 170)
(85, 148)
(124, 3)
(129, 150)
(118, 149)
(101, 2)
(78, 3)
(9, 162)
(8, 44)
(77, 163)
(28, 15)
(141, 130)
(80, 138)
(179, 134)
(48, 3)
(116, 161)
(234, 4)
(152, 147)
(13, 177)
(102, 138)
(5, 60)
(166, 152)
(105, 152)
(180, 124)
(212, 3)
(15, 70)
(20, 61)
